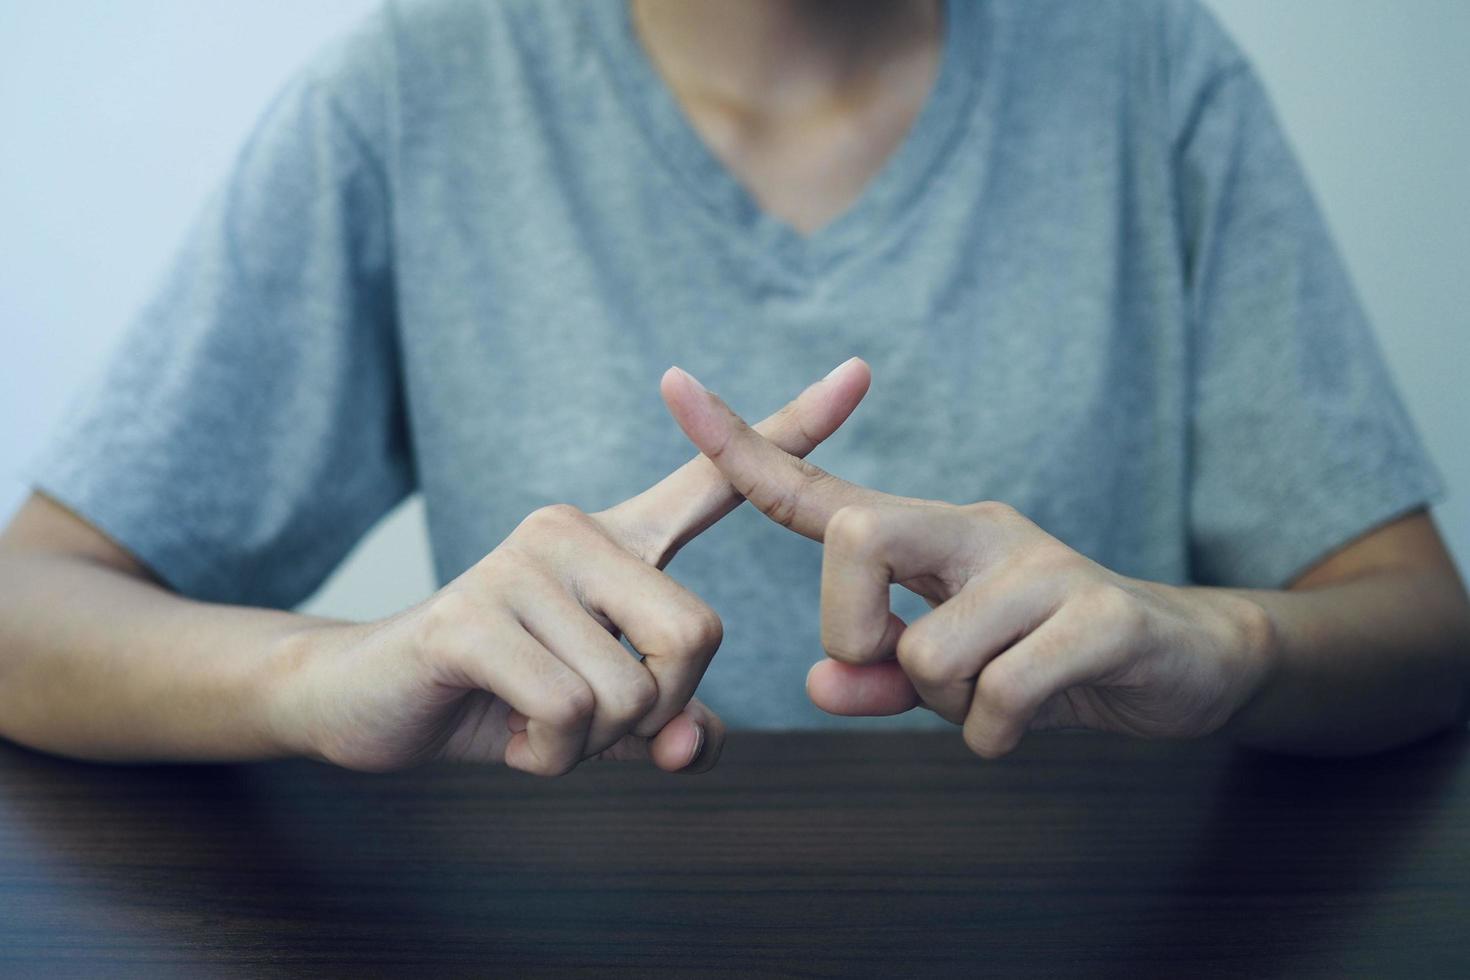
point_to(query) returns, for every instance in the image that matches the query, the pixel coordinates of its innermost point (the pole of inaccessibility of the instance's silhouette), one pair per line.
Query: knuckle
(570, 704)
(923, 656)
(698, 631)
(853, 528)
(552, 519)
(995, 510)
(782, 498)
(1003, 694)
(633, 698)
(783, 502)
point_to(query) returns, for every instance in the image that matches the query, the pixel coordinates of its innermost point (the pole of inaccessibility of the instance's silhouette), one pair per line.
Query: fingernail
(839, 367)
(691, 378)
(698, 745)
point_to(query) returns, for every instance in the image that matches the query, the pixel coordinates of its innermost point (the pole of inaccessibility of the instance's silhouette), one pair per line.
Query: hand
(518, 659)
(1025, 633)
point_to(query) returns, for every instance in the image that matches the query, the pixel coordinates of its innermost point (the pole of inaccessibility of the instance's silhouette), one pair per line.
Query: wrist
(1254, 653)
(287, 683)
(1224, 640)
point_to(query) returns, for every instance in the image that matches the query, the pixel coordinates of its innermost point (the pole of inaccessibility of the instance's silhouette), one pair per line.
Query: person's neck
(780, 57)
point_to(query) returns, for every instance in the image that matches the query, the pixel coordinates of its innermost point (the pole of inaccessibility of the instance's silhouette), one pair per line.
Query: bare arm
(1371, 648)
(98, 660)
(516, 661)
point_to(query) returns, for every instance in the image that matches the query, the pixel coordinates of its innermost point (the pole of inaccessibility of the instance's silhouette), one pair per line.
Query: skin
(1368, 650)
(514, 662)
(97, 659)
(803, 101)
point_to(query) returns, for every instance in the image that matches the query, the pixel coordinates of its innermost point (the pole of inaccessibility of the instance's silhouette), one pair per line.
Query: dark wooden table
(803, 854)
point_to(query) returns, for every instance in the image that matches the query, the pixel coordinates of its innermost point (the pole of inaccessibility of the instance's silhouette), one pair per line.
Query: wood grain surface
(802, 854)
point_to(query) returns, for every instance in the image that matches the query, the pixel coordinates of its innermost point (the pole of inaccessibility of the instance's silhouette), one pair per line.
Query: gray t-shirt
(460, 248)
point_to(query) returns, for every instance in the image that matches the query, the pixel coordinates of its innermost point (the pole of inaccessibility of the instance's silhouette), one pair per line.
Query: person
(1129, 446)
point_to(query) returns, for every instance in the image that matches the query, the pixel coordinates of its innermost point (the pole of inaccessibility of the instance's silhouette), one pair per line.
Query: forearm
(1361, 665)
(98, 664)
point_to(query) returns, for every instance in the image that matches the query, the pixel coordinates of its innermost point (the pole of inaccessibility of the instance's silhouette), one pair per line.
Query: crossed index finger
(788, 490)
(656, 523)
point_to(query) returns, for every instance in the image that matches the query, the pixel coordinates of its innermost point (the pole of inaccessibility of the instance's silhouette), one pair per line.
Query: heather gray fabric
(460, 249)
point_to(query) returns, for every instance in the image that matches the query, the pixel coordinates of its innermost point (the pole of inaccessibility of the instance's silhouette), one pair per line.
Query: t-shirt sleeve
(1299, 442)
(249, 428)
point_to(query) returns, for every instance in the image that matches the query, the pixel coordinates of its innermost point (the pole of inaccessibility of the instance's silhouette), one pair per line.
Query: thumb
(867, 689)
(690, 743)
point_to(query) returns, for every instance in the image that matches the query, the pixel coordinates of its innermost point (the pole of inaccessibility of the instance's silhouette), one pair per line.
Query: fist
(519, 660)
(1025, 633)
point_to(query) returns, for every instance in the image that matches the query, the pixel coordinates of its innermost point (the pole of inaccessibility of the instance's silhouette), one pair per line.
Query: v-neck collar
(898, 183)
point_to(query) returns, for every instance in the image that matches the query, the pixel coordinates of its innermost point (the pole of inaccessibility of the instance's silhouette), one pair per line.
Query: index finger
(788, 490)
(656, 523)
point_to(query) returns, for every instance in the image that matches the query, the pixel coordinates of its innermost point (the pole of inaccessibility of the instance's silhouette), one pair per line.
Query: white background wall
(116, 119)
